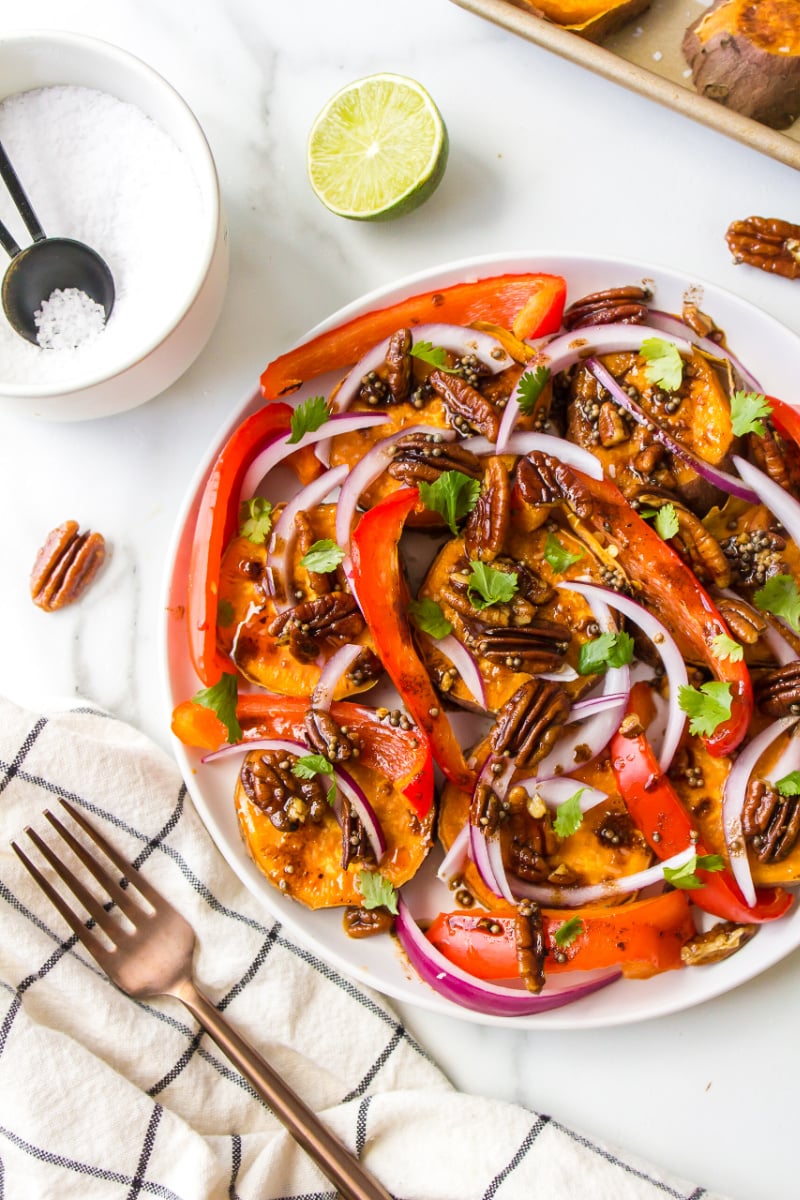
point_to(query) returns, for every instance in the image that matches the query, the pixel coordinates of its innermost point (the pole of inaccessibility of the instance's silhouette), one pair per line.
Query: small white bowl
(39, 60)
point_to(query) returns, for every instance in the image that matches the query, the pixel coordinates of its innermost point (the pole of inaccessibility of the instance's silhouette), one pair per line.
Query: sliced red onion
(720, 479)
(280, 448)
(772, 495)
(582, 709)
(479, 853)
(733, 797)
(664, 642)
(593, 734)
(669, 323)
(525, 441)
(563, 674)
(464, 662)
(556, 897)
(560, 788)
(479, 995)
(568, 348)
(345, 783)
(459, 339)
(453, 862)
(331, 673)
(365, 472)
(284, 531)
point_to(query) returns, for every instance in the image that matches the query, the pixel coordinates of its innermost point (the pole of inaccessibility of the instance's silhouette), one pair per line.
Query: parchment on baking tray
(645, 56)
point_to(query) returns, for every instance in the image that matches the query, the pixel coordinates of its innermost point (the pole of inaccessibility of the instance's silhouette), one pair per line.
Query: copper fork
(154, 958)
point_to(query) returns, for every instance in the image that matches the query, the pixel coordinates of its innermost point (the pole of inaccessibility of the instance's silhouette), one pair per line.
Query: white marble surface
(544, 157)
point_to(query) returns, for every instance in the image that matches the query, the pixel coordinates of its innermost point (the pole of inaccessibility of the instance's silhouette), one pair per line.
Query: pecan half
(65, 566)
(399, 371)
(326, 736)
(467, 408)
(487, 525)
(529, 723)
(716, 944)
(355, 843)
(699, 548)
(745, 622)
(267, 779)
(419, 456)
(534, 648)
(622, 305)
(529, 936)
(366, 922)
(542, 479)
(767, 243)
(330, 619)
(777, 693)
(320, 582)
(486, 810)
(770, 821)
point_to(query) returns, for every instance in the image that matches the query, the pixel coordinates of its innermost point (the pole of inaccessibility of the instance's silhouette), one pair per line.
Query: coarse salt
(67, 319)
(99, 170)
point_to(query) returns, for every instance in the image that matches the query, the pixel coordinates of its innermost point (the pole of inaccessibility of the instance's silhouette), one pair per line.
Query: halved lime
(378, 149)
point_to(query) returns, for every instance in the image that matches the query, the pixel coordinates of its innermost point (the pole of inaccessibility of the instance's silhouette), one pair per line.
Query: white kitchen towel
(105, 1097)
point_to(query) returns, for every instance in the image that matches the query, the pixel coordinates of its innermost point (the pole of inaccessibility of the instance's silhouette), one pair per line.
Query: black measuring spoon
(48, 264)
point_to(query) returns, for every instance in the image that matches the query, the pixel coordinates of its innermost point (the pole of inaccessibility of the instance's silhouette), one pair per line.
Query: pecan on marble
(422, 457)
(622, 305)
(530, 942)
(542, 479)
(467, 408)
(399, 369)
(767, 243)
(328, 619)
(65, 566)
(487, 525)
(534, 648)
(716, 944)
(325, 736)
(777, 693)
(529, 722)
(770, 821)
(289, 802)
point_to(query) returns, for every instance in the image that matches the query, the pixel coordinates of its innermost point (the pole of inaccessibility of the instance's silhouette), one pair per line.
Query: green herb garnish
(664, 363)
(309, 765)
(307, 417)
(607, 650)
(568, 816)
(749, 410)
(558, 556)
(377, 891)
(724, 646)
(790, 784)
(221, 698)
(434, 356)
(453, 495)
(255, 520)
(686, 878)
(666, 521)
(322, 557)
(779, 596)
(428, 617)
(707, 707)
(567, 932)
(530, 388)
(486, 585)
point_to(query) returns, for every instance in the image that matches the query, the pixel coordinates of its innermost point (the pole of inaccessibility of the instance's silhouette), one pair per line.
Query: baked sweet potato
(592, 19)
(746, 55)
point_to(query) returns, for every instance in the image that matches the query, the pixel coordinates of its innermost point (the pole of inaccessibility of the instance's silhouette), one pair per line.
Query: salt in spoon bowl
(47, 265)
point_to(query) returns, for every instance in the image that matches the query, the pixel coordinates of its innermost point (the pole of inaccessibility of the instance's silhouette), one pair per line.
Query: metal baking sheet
(645, 56)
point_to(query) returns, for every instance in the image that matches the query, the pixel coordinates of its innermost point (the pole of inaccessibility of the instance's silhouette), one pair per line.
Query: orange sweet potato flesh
(746, 55)
(592, 19)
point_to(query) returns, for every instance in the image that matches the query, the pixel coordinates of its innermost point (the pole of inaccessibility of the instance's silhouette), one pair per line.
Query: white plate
(772, 353)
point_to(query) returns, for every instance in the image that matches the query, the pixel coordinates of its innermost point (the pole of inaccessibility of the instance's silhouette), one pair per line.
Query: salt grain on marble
(100, 170)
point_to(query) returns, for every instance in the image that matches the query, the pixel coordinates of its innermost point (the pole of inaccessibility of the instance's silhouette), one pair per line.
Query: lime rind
(378, 149)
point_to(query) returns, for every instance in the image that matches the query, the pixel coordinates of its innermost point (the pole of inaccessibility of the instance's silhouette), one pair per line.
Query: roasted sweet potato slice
(306, 863)
(592, 19)
(746, 55)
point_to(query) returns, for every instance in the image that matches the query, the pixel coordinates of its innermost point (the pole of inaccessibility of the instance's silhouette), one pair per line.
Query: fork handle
(333, 1158)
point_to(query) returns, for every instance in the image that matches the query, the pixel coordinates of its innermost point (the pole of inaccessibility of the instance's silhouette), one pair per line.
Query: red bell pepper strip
(644, 938)
(497, 300)
(657, 811)
(785, 418)
(402, 755)
(675, 596)
(380, 591)
(217, 521)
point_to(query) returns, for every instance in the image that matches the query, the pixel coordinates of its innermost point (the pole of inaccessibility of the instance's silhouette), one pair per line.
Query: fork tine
(123, 866)
(123, 899)
(81, 893)
(76, 924)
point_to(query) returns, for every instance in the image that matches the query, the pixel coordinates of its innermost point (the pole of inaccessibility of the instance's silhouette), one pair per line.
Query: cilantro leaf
(377, 891)
(255, 517)
(568, 931)
(666, 521)
(330, 795)
(428, 616)
(309, 765)
(790, 784)
(664, 363)
(707, 707)
(779, 596)
(568, 815)
(686, 878)
(607, 650)
(434, 356)
(531, 385)
(749, 410)
(308, 416)
(486, 585)
(725, 647)
(221, 698)
(322, 557)
(452, 495)
(558, 556)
